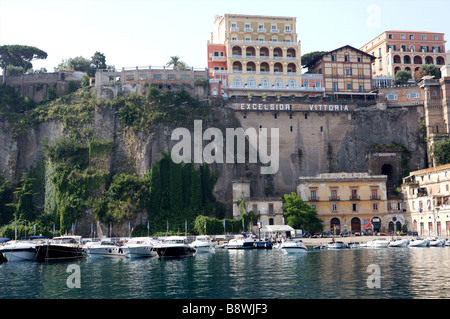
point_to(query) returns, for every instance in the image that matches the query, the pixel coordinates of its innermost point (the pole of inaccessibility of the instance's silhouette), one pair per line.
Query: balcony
(375, 197)
(354, 198)
(335, 198)
(262, 30)
(275, 30)
(313, 199)
(248, 29)
(234, 29)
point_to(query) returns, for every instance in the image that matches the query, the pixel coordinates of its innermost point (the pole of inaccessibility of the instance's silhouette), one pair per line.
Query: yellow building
(260, 54)
(427, 196)
(347, 201)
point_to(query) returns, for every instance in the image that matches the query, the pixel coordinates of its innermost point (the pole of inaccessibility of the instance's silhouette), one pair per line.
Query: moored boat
(377, 243)
(60, 249)
(175, 246)
(293, 246)
(139, 247)
(418, 242)
(353, 244)
(240, 242)
(399, 242)
(436, 242)
(19, 251)
(104, 249)
(203, 244)
(336, 245)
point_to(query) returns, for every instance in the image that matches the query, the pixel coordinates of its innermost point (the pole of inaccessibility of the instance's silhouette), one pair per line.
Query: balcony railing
(335, 198)
(354, 198)
(313, 199)
(262, 29)
(375, 197)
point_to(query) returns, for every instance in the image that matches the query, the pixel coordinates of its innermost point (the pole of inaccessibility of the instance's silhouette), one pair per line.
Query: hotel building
(405, 50)
(257, 55)
(347, 201)
(345, 70)
(427, 193)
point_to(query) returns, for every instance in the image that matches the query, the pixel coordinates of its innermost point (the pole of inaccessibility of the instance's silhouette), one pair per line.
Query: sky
(147, 32)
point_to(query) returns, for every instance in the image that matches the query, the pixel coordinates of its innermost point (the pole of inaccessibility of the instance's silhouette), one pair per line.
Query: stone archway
(355, 225)
(335, 224)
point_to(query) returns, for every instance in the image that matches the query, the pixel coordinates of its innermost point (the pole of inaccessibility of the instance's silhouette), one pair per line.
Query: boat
(138, 247)
(377, 243)
(447, 242)
(175, 246)
(293, 246)
(398, 242)
(436, 242)
(336, 245)
(59, 249)
(353, 244)
(418, 242)
(104, 249)
(2, 258)
(320, 246)
(240, 242)
(203, 244)
(18, 250)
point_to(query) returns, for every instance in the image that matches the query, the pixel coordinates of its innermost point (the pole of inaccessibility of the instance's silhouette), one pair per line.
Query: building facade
(347, 201)
(260, 55)
(345, 70)
(427, 196)
(405, 50)
(269, 209)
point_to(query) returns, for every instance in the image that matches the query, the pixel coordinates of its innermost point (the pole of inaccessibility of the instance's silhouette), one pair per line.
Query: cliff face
(310, 143)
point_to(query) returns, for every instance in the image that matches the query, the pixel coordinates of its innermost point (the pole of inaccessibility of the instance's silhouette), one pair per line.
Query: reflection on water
(229, 274)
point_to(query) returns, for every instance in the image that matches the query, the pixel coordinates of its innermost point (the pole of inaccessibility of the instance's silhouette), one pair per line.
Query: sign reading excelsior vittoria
(289, 107)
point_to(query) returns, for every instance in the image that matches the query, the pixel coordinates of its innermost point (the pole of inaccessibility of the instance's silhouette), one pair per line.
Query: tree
(176, 63)
(441, 151)
(402, 77)
(300, 215)
(99, 60)
(427, 69)
(19, 55)
(308, 57)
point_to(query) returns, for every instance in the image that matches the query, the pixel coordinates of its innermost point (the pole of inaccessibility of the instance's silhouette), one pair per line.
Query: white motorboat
(336, 245)
(203, 244)
(436, 242)
(175, 246)
(293, 246)
(240, 242)
(139, 247)
(447, 242)
(353, 245)
(104, 249)
(418, 242)
(19, 251)
(399, 242)
(377, 243)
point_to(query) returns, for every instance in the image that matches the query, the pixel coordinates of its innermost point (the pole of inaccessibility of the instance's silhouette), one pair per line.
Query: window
(349, 86)
(402, 36)
(251, 82)
(318, 84)
(334, 207)
(130, 77)
(334, 194)
(237, 82)
(435, 37)
(265, 83)
(335, 87)
(424, 37)
(347, 58)
(348, 71)
(411, 37)
(375, 207)
(156, 76)
(391, 96)
(333, 57)
(359, 59)
(313, 195)
(278, 83)
(185, 77)
(361, 89)
(143, 76)
(354, 194)
(354, 207)
(390, 36)
(374, 194)
(413, 95)
(270, 209)
(306, 84)
(292, 83)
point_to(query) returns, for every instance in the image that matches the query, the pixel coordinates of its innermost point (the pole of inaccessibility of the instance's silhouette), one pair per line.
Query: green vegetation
(300, 215)
(441, 151)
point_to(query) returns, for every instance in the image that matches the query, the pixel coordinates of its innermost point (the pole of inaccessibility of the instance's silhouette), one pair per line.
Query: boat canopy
(276, 228)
